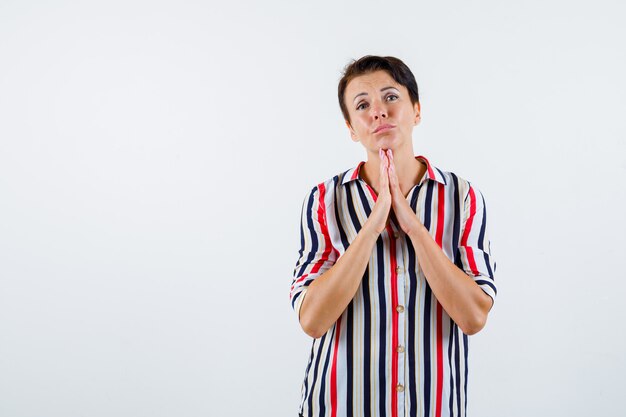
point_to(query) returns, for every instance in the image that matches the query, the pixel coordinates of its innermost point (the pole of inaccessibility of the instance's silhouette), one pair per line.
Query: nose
(378, 111)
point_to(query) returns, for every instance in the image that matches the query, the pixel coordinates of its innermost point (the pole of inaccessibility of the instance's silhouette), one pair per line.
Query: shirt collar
(432, 172)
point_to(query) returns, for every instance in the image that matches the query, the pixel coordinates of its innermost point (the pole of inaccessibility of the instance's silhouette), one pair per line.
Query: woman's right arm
(329, 294)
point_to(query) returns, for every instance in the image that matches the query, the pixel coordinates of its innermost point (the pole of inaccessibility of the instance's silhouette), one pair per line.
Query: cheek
(363, 119)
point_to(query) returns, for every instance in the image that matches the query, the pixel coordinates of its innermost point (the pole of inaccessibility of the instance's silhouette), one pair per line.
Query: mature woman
(395, 267)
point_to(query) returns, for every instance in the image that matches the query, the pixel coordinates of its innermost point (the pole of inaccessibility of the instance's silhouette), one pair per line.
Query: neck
(408, 170)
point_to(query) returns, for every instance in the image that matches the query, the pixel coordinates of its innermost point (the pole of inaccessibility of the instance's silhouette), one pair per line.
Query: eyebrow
(381, 90)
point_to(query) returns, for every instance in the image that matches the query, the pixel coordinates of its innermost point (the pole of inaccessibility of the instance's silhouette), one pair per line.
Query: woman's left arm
(457, 292)
(464, 301)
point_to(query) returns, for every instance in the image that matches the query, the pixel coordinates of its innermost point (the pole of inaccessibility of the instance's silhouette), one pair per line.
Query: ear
(352, 133)
(418, 114)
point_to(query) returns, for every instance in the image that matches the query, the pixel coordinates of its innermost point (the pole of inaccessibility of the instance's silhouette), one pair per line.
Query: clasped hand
(390, 196)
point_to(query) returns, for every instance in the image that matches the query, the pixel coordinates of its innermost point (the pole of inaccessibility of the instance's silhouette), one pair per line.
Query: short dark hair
(370, 63)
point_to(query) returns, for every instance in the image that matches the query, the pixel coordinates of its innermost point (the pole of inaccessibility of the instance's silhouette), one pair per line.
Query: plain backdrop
(154, 156)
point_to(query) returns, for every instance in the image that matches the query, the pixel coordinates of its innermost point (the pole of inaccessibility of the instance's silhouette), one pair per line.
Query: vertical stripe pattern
(394, 351)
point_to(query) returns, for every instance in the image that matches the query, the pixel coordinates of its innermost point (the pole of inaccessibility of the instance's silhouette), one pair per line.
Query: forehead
(368, 82)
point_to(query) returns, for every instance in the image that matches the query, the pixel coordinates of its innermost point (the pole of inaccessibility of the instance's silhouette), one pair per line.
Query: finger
(390, 158)
(384, 162)
(382, 154)
(390, 165)
(384, 179)
(393, 178)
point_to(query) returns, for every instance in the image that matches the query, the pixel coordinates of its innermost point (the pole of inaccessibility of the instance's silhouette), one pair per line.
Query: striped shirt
(394, 351)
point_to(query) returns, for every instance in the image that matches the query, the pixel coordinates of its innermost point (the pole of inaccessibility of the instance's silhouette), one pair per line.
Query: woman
(395, 267)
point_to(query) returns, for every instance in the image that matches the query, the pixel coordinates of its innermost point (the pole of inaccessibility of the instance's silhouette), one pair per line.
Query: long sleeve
(474, 251)
(316, 254)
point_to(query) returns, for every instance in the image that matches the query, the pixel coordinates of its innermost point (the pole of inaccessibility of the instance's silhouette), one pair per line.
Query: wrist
(369, 231)
(418, 231)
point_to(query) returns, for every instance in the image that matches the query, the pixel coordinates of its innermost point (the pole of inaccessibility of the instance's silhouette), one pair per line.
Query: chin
(387, 142)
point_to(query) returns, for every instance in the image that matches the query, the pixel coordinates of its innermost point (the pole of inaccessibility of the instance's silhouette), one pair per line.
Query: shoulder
(322, 197)
(450, 179)
(451, 182)
(459, 185)
(330, 186)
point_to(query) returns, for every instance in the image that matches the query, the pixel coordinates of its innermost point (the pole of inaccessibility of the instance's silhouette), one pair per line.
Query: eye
(361, 104)
(395, 97)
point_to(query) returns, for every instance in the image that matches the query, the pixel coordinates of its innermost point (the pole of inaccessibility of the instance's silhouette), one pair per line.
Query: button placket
(394, 238)
(402, 278)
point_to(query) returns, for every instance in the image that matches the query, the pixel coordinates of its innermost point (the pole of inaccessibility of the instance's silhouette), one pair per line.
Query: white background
(153, 161)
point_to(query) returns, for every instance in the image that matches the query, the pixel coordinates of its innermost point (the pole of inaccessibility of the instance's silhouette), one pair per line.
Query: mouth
(383, 128)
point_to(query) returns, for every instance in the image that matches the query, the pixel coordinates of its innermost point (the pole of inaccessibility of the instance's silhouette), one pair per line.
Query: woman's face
(381, 112)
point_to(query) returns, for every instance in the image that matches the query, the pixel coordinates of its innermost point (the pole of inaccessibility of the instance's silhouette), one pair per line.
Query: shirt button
(400, 388)
(398, 269)
(396, 235)
(400, 349)
(399, 308)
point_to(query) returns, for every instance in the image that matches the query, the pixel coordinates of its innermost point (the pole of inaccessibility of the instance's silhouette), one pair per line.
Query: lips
(383, 127)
